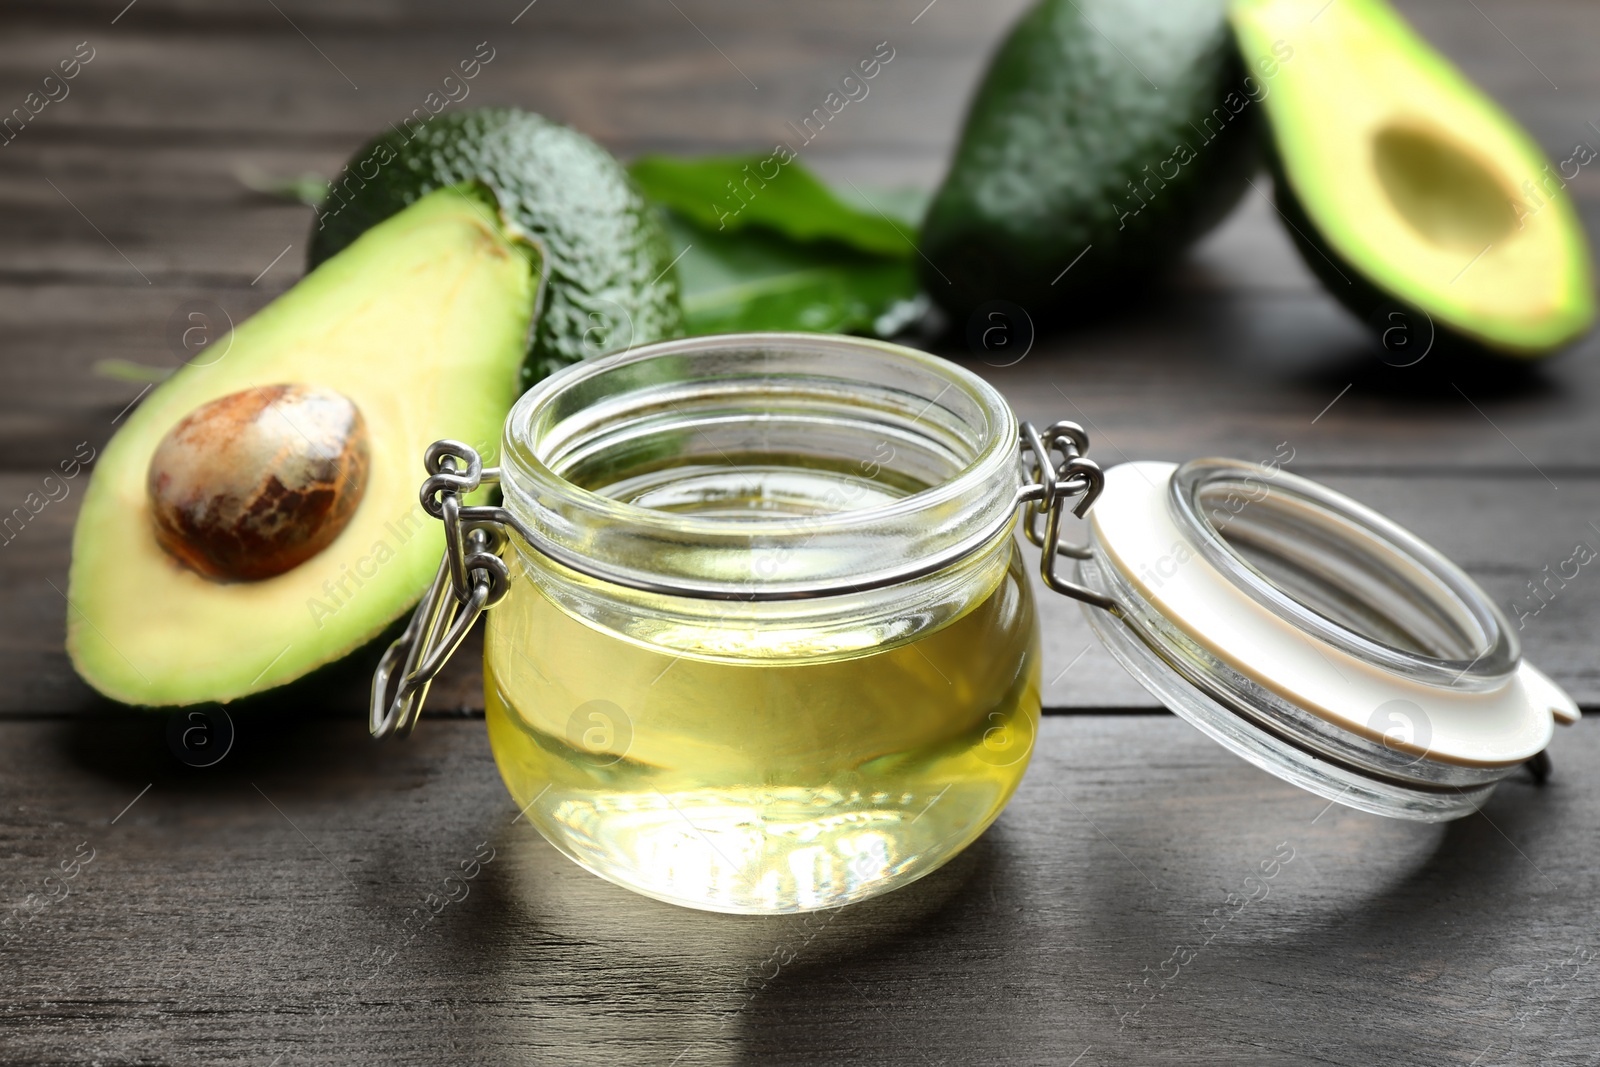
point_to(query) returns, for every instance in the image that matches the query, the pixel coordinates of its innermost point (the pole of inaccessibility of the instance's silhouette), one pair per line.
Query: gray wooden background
(269, 909)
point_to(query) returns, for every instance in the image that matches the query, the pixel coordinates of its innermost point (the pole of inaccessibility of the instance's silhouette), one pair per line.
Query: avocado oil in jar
(795, 776)
(710, 729)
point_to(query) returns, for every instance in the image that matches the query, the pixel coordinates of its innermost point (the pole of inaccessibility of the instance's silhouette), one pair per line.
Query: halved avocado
(1407, 186)
(610, 283)
(421, 324)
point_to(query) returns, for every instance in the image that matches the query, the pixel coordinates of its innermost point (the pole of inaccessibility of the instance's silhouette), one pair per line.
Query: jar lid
(1313, 637)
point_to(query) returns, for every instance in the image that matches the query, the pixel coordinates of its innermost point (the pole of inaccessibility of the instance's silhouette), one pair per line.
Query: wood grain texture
(1242, 352)
(269, 910)
(260, 908)
(1482, 522)
(1239, 354)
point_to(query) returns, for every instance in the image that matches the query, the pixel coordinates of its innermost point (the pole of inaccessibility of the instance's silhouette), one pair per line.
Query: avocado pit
(253, 484)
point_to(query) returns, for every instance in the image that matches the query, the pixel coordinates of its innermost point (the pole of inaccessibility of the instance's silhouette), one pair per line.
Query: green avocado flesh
(609, 284)
(1405, 186)
(1117, 131)
(423, 323)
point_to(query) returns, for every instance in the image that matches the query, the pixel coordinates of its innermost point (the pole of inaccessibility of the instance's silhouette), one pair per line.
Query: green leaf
(905, 205)
(724, 194)
(760, 280)
(308, 189)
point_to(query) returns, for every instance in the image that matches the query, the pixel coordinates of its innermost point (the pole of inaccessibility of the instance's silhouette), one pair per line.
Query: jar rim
(536, 487)
(1490, 652)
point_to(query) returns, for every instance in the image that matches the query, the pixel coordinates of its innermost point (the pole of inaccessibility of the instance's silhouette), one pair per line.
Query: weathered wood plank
(1244, 353)
(630, 90)
(181, 215)
(178, 212)
(233, 915)
(1502, 530)
(623, 64)
(266, 907)
(633, 71)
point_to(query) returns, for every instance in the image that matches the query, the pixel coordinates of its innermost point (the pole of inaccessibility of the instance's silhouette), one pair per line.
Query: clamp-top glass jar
(776, 649)
(762, 640)
(743, 749)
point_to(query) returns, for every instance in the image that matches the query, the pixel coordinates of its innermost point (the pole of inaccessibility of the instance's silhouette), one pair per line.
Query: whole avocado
(1117, 131)
(608, 284)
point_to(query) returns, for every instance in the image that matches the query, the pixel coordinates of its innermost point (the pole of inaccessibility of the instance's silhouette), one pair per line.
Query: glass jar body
(784, 779)
(775, 651)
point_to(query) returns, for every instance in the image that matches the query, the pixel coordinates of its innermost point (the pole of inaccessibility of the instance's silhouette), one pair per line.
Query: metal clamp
(472, 576)
(471, 572)
(1051, 486)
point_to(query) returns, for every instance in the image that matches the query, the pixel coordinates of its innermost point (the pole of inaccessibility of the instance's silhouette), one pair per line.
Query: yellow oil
(785, 770)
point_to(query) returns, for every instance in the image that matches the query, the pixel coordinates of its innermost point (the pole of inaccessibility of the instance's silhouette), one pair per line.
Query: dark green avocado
(1106, 136)
(609, 282)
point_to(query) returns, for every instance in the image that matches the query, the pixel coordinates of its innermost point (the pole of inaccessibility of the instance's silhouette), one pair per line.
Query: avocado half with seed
(610, 283)
(1406, 188)
(257, 516)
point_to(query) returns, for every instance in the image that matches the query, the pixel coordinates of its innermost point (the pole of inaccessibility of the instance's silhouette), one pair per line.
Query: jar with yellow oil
(762, 639)
(768, 645)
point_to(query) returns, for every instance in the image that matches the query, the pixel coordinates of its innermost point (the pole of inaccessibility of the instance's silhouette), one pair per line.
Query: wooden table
(269, 909)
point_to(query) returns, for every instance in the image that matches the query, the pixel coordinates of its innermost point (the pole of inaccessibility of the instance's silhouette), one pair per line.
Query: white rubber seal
(1139, 537)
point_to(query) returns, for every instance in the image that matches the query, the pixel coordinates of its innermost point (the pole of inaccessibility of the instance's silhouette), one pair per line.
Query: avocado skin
(604, 246)
(1346, 284)
(1060, 125)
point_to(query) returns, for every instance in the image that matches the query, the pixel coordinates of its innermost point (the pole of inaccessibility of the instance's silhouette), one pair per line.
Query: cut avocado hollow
(423, 323)
(1406, 186)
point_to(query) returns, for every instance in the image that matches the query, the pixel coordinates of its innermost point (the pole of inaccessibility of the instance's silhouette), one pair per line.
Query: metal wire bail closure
(1051, 486)
(473, 578)
(471, 572)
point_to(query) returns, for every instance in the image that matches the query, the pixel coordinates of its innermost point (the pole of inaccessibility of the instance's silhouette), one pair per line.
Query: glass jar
(743, 748)
(762, 640)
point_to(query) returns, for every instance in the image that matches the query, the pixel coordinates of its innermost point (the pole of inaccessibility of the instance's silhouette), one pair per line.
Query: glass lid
(1314, 637)
(1340, 570)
